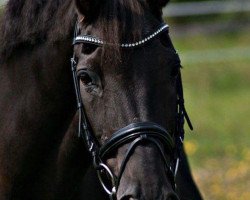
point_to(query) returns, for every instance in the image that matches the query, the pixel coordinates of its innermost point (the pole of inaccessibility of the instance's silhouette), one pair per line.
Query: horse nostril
(172, 196)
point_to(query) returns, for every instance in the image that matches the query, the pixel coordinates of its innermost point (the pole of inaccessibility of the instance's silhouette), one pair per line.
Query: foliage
(217, 98)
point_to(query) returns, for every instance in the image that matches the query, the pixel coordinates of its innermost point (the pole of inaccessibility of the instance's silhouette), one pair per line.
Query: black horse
(39, 158)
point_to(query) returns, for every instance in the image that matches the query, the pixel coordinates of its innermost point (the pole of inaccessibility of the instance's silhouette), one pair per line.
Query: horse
(41, 157)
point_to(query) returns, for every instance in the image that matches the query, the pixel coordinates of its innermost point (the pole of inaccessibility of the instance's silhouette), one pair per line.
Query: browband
(96, 41)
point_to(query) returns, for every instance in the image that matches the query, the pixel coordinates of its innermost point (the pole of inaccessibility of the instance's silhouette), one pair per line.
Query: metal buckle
(104, 168)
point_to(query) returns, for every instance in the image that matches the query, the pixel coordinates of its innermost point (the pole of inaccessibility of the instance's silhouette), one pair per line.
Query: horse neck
(38, 80)
(37, 102)
(35, 51)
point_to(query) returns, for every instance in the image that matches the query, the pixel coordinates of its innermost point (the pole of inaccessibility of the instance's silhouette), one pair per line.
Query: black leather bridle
(135, 133)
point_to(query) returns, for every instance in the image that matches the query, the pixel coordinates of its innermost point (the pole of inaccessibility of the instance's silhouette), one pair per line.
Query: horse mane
(35, 21)
(120, 21)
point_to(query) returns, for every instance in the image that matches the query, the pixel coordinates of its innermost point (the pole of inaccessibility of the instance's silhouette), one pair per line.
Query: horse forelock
(33, 21)
(120, 21)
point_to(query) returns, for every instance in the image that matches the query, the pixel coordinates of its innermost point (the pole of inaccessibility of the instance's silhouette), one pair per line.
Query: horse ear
(162, 3)
(87, 8)
(157, 5)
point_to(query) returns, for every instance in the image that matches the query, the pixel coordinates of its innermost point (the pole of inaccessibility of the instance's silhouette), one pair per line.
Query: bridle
(135, 133)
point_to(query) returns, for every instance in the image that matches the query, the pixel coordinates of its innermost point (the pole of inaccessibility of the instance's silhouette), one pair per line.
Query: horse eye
(88, 48)
(85, 78)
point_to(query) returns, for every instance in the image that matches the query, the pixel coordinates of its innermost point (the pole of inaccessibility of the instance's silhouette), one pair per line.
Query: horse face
(122, 86)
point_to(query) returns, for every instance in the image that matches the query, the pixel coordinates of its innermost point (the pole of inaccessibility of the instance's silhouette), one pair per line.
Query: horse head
(128, 87)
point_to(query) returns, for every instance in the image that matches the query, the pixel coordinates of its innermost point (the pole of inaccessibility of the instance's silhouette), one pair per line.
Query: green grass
(220, 40)
(216, 78)
(218, 100)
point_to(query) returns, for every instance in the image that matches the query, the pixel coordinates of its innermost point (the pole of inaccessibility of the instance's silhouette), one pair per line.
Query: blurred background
(213, 41)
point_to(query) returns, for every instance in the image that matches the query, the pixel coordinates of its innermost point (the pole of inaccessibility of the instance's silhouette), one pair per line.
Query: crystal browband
(99, 42)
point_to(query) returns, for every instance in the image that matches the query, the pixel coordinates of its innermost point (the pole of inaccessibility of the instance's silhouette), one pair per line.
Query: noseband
(133, 134)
